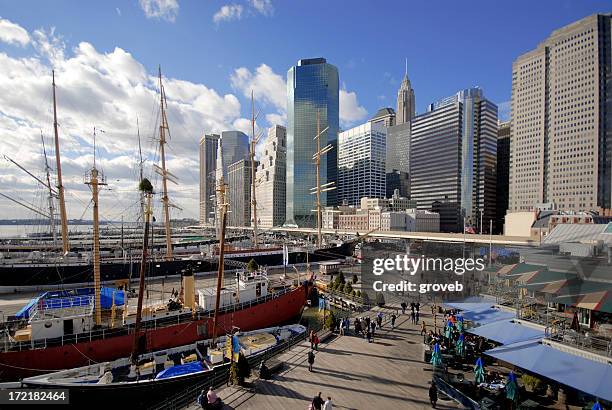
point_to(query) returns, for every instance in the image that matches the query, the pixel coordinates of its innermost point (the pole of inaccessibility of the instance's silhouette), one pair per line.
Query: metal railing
(127, 329)
(220, 376)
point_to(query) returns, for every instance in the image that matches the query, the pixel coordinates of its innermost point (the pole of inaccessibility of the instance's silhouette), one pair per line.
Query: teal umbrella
(597, 406)
(479, 375)
(436, 357)
(449, 329)
(512, 387)
(460, 347)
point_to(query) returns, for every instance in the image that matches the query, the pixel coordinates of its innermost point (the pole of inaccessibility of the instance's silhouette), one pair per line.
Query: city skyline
(120, 68)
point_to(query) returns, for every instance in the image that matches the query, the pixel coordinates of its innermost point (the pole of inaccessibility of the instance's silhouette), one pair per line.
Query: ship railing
(221, 376)
(103, 333)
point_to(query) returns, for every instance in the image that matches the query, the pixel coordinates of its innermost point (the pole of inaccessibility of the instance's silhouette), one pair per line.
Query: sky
(212, 54)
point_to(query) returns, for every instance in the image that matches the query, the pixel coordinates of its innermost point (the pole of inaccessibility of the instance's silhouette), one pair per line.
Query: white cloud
(267, 86)
(12, 33)
(350, 110)
(228, 12)
(504, 110)
(109, 91)
(264, 7)
(160, 9)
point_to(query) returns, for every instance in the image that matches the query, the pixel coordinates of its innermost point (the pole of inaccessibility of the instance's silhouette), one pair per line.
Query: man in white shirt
(328, 404)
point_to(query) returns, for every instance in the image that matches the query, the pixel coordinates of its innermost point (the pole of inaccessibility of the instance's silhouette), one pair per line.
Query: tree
(380, 299)
(332, 285)
(355, 279)
(348, 288)
(340, 278)
(330, 321)
(340, 288)
(354, 293)
(243, 368)
(358, 294)
(252, 266)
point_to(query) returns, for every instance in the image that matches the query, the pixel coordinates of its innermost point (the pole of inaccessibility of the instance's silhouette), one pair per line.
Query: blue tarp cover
(507, 332)
(481, 312)
(590, 376)
(180, 370)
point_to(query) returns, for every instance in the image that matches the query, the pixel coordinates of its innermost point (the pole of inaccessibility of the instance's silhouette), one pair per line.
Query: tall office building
(453, 159)
(312, 87)
(208, 164)
(398, 159)
(271, 186)
(239, 193)
(361, 163)
(561, 140)
(235, 147)
(384, 116)
(406, 107)
(503, 174)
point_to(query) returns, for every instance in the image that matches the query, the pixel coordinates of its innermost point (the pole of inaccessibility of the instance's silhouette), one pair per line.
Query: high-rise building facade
(503, 174)
(271, 179)
(406, 108)
(312, 89)
(239, 193)
(398, 159)
(384, 116)
(453, 155)
(208, 164)
(561, 139)
(361, 163)
(235, 148)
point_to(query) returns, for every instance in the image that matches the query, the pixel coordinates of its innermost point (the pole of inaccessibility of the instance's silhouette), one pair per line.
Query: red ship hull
(15, 365)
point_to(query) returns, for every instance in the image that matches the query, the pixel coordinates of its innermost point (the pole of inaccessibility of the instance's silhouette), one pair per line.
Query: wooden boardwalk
(387, 374)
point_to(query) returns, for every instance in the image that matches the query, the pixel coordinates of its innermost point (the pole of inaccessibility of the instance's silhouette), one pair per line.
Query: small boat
(159, 374)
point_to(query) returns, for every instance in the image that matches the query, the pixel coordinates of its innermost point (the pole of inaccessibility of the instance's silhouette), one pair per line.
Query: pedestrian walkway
(386, 374)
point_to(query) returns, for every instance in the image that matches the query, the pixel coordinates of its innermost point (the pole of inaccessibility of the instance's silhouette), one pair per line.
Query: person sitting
(213, 400)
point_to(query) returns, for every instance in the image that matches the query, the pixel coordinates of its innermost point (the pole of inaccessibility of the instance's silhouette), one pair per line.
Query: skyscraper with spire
(405, 101)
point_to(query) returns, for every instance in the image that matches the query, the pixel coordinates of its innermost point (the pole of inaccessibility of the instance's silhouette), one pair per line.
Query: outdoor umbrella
(449, 329)
(459, 323)
(575, 324)
(460, 345)
(597, 406)
(479, 375)
(512, 387)
(436, 357)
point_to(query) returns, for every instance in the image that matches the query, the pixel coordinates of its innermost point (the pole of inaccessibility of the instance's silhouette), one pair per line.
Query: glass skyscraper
(312, 87)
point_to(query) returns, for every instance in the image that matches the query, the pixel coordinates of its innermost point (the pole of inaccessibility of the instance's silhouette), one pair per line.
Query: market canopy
(487, 315)
(507, 331)
(590, 376)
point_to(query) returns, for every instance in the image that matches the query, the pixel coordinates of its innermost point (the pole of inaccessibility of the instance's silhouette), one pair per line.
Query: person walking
(311, 339)
(316, 342)
(328, 404)
(369, 335)
(412, 317)
(373, 329)
(393, 317)
(317, 402)
(367, 321)
(311, 359)
(433, 394)
(416, 317)
(404, 306)
(423, 328)
(417, 306)
(379, 319)
(342, 326)
(412, 306)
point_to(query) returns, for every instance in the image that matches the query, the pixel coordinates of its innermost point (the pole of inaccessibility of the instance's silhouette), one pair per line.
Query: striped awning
(592, 301)
(526, 277)
(553, 287)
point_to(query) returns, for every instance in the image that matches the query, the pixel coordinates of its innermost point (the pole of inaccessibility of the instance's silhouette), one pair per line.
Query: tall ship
(68, 269)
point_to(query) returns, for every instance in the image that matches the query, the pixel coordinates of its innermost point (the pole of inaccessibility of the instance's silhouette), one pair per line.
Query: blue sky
(213, 53)
(449, 44)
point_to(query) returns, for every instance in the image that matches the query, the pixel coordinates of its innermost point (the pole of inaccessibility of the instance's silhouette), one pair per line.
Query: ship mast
(320, 188)
(95, 179)
(60, 185)
(223, 205)
(147, 190)
(140, 163)
(254, 140)
(51, 206)
(163, 127)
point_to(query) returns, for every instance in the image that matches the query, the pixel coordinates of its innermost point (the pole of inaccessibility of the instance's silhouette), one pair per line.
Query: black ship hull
(50, 276)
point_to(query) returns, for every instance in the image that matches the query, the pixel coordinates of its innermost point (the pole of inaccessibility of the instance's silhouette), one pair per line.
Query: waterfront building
(208, 165)
(398, 159)
(453, 160)
(271, 179)
(361, 163)
(562, 121)
(419, 220)
(312, 90)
